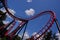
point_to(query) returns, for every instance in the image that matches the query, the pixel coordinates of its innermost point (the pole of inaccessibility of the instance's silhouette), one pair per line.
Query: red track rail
(14, 32)
(43, 30)
(33, 17)
(10, 28)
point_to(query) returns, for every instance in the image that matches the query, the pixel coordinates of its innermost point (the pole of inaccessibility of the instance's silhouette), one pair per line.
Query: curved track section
(46, 28)
(24, 21)
(33, 17)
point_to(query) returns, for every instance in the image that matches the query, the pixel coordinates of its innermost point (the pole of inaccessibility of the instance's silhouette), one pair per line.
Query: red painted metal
(10, 28)
(46, 29)
(42, 31)
(14, 31)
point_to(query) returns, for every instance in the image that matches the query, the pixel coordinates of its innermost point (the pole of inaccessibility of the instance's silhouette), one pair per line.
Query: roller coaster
(5, 32)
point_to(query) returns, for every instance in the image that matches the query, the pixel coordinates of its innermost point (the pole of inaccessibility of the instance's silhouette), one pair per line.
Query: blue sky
(19, 6)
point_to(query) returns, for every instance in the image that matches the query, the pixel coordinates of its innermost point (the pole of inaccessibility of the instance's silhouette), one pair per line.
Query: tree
(55, 37)
(48, 36)
(17, 38)
(2, 18)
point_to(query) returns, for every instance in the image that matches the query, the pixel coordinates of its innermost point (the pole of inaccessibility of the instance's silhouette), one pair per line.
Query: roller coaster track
(10, 28)
(24, 21)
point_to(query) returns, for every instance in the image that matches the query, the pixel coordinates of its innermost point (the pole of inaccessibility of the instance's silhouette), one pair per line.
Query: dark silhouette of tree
(50, 36)
(2, 18)
(18, 38)
(55, 37)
